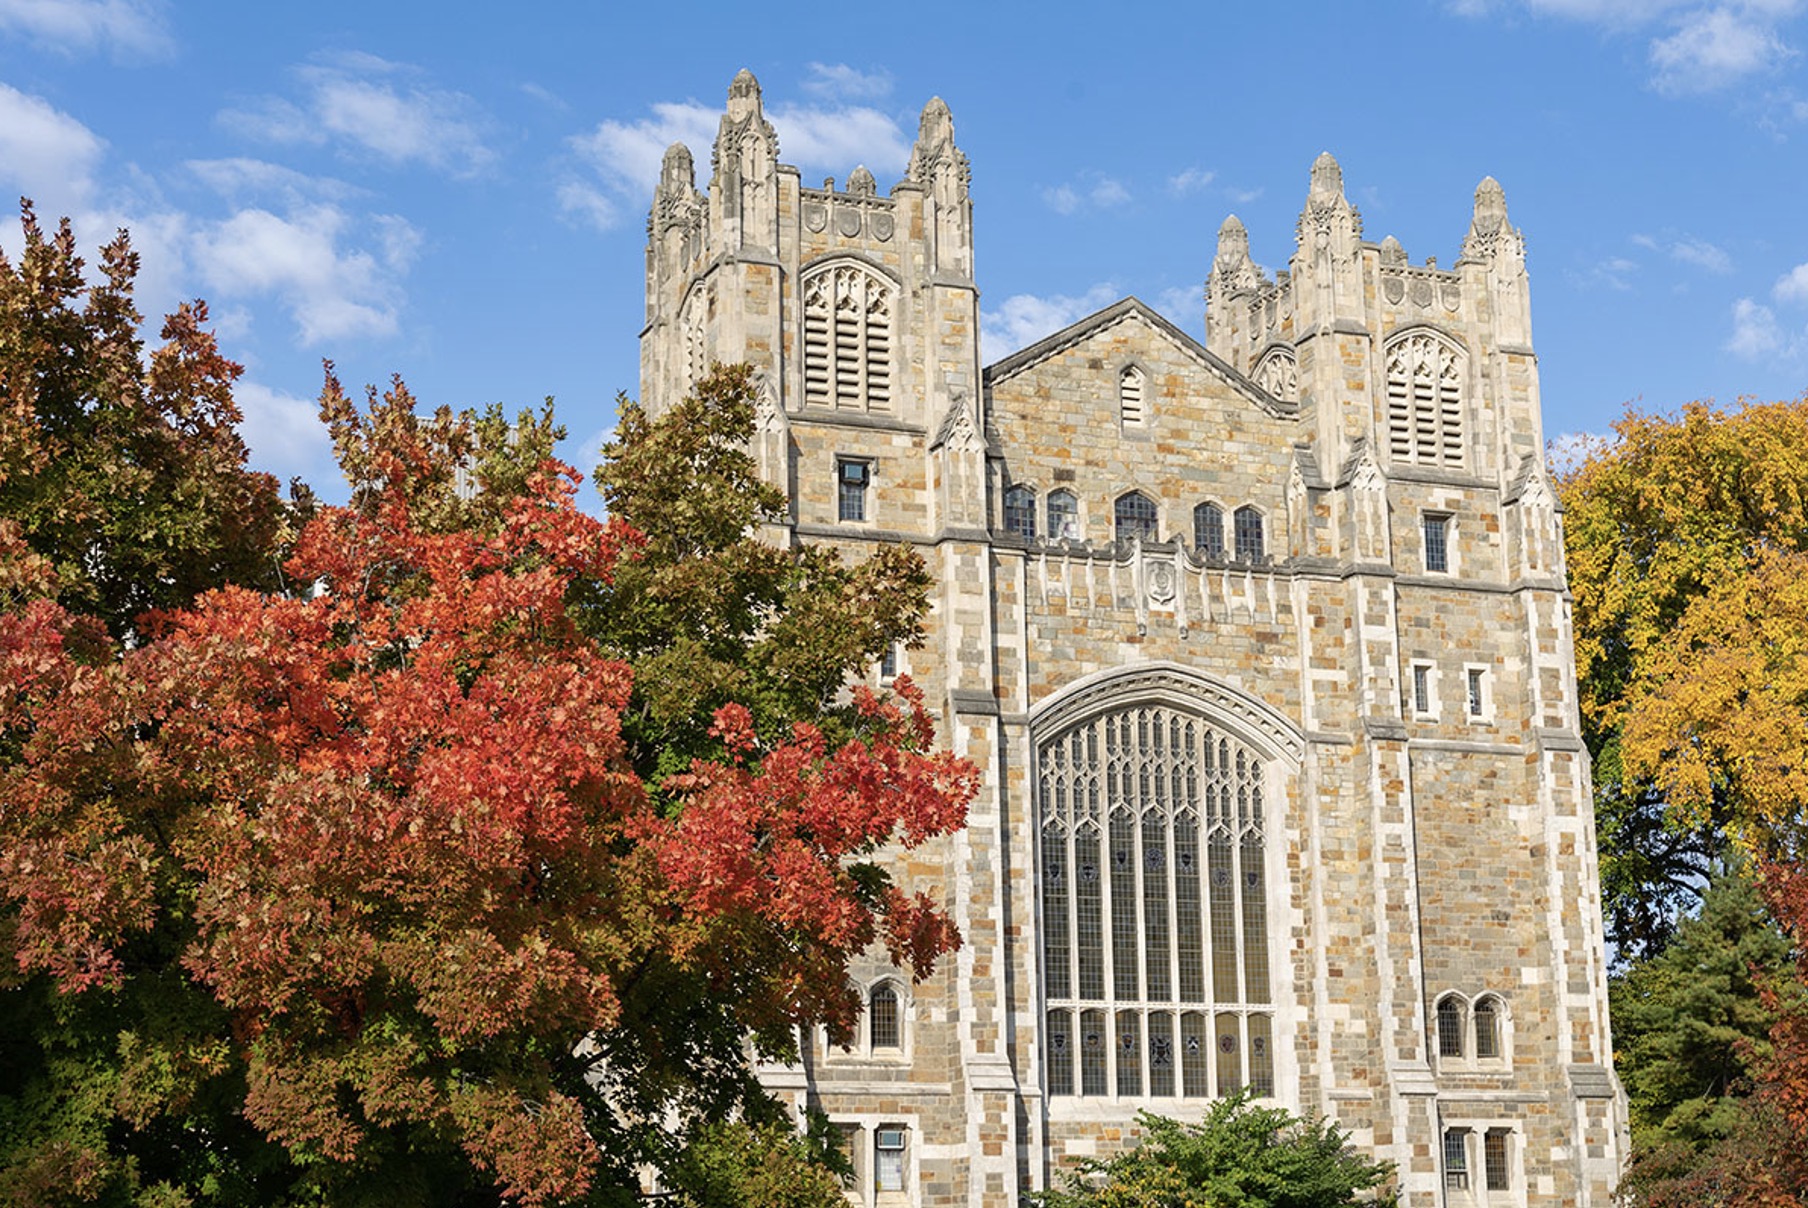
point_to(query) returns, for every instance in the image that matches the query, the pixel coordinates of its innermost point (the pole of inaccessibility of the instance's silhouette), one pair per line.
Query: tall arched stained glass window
(1154, 907)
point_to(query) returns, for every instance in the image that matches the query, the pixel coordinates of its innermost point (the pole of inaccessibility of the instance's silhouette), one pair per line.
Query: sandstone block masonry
(1263, 646)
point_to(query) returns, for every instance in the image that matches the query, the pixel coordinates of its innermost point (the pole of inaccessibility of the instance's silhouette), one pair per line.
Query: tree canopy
(380, 857)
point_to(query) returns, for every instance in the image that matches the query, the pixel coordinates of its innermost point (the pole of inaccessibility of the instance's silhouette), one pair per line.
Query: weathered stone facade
(1262, 646)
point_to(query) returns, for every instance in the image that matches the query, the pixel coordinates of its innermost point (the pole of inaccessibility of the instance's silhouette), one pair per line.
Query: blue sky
(458, 194)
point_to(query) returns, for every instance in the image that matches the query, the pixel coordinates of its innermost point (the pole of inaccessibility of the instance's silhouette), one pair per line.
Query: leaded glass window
(882, 1018)
(1487, 1029)
(1135, 516)
(1208, 530)
(1063, 516)
(1250, 545)
(1450, 1028)
(1155, 908)
(1020, 512)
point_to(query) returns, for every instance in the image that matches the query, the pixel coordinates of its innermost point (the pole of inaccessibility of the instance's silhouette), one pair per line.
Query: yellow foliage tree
(1680, 535)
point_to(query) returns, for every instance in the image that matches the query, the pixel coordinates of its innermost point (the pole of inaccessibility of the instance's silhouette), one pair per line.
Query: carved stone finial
(1392, 254)
(1489, 229)
(1233, 244)
(935, 153)
(861, 183)
(676, 172)
(1327, 179)
(936, 124)
(743, 95)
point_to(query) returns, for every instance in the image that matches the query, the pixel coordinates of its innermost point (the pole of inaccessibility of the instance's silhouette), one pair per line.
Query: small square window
(852, 478)
(1478, 690)
(1437, 543)
(1421, 688)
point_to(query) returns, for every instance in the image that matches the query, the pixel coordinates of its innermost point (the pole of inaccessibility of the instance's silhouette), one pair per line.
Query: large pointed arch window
(1154, 908)
(848, 338)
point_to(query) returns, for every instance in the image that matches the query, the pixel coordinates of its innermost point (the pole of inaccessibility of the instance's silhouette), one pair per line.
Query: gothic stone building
(1263, 648)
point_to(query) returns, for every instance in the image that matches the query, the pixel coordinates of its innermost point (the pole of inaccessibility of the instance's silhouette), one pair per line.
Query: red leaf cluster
(399, 817)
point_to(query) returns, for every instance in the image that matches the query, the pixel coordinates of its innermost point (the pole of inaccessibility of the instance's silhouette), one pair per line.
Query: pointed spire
(743, 95)
(1391, 252)
(1327, 179)
(937, 124)
(676, 171)
(861, 182)
(935, 149)
(1489, 225)
(1233, 245)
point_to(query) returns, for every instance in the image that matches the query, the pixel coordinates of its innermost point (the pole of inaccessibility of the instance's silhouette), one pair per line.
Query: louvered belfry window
(1154, 909)
(848, 339)
(1424, 401)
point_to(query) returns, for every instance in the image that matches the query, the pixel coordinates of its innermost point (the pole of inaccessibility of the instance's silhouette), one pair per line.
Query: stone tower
(1262, 647)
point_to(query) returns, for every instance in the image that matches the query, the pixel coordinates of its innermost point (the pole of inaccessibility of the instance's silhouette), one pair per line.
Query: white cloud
(1755, 331)
(1093, 190)
(1611, 272)
(375, 106)
(1190, 181)
(1243, 197)
(332, 291)
(283, 432)
(130, 28)
(241, 177)
(1714, 48)
(1792, 286)
(1184, 304)
(1061, 199)
(842, 82)
(1022, 319)
(1689, 250)
(625, 156)
(44, 153)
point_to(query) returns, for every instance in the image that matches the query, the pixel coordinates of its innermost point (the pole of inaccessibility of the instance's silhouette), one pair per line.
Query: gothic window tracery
(1154, 908)
(1424, 401)
(1135, 515)
(1251, 544)
(1208, 530)
(1278, 374)
(848, 338)
(1063, 515)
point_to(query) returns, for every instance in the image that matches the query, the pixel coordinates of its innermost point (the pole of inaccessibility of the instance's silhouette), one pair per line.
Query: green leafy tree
(743, 1165)
(1690, 1025)
(1240, 1155)
(125, 471)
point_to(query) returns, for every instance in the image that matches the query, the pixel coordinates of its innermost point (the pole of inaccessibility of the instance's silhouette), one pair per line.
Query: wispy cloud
(1689, 250)
(127, 28)
(375, 108)
(1193, 180)
(1609, 272)
(621, 158)
(1091, 191)
(1715, 48)
(1022, 319)
(1692, 46)
(841, 82)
